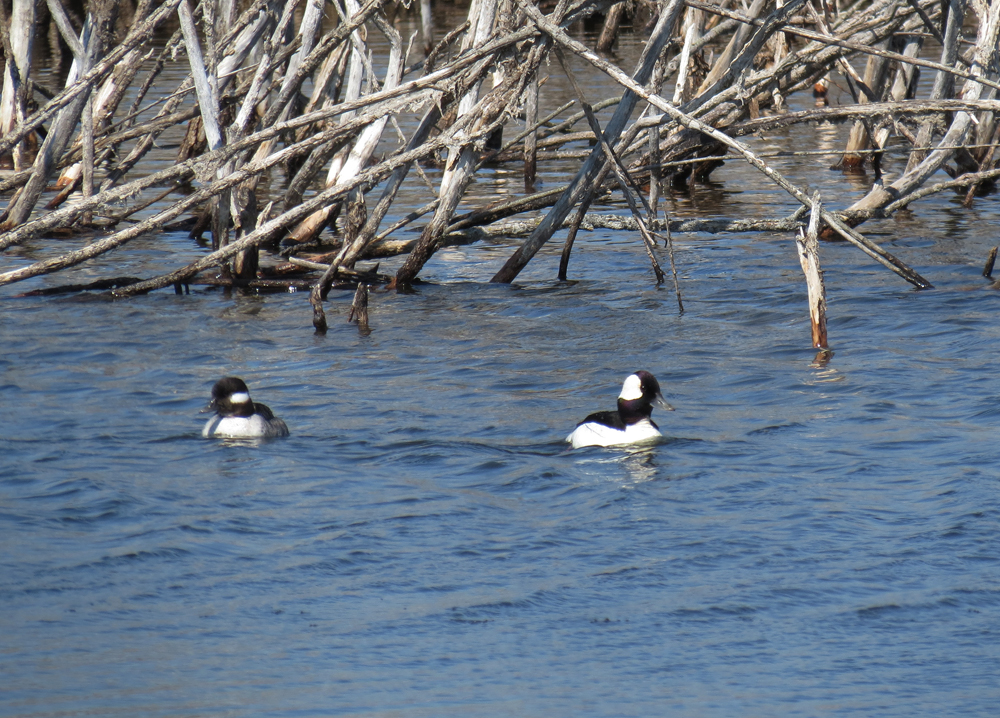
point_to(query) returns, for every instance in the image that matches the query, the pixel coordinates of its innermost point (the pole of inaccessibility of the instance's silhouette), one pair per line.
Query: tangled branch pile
(266, 88)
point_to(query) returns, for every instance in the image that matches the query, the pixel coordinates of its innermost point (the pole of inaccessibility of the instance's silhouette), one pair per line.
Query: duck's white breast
(243, 427)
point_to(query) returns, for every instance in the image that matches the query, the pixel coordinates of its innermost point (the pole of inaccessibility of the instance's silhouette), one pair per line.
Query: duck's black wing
(264, 410)
(606, 418)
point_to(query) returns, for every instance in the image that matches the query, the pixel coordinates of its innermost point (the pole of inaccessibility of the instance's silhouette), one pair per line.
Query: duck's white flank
(243, 427)
(593, 434)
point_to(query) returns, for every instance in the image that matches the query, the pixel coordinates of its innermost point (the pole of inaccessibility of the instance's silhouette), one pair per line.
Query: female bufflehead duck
(631, 423)
(237, 416)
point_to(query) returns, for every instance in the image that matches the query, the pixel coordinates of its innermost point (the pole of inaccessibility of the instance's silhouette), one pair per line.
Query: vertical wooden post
(871, 89)
(87, 136)
(427, 25)
(655, 171)
(17, 75)
(610, 30)
(990, 261)
(780, 51)
(359, 309)
(693, 22)
(531, 140)
(808, 249)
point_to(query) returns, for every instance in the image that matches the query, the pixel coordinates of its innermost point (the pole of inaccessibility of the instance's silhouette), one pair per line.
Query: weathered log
(18, 35)
(990, 261)
(90, 46)
(628, 188)
(862, 137)
(460, 164)
(359, 309)
(944, 80)
(137, 35)
(807, 245)
(253, 64)
(880, 255)
(531, 139)
(609, 31)
(913, 178)
(586, 175)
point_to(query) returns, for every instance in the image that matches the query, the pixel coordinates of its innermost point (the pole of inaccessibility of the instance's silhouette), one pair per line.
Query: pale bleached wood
(17, 75)
(136, 36)
(426, 25)
(724, 61)
(693, 22)
(520, 258)
(958, 132)
(944, 80)
(91, 43)
(205, 86)
(587, 174)
(313, 224)
(461, 162)
(807, 245)
(531, 133)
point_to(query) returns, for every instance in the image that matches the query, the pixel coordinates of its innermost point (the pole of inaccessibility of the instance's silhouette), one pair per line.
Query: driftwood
(991, 259)
(18, 36)
(807, 245)
(707, 76)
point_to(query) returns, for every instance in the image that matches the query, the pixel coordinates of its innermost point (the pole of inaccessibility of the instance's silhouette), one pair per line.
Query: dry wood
(531, 138)
(247, 75)
(139, 34)
(359, 309)
(460, 164)
(592, 167)
(17, 50)
(872, 89)
(520, 258)
(90, 47)
(610, 29)
(983, 63)
(627, 186)
(990, 261)
(807, 245)
(944, 80)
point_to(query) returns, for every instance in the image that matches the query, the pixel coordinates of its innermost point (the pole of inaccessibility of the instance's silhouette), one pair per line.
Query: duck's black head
(231, 397)
(639, 392)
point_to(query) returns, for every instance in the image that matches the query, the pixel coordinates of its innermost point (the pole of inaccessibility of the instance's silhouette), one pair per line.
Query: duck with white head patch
(237, 416)
(631, 423)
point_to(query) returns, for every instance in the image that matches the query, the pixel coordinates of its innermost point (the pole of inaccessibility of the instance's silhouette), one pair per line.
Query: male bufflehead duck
(630, 424)
(237, 416)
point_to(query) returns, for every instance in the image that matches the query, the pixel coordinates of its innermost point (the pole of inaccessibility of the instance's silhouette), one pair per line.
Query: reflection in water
(822, 359)
(640, 464)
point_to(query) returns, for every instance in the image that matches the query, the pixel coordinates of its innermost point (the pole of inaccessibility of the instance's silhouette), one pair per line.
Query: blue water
(810, 540)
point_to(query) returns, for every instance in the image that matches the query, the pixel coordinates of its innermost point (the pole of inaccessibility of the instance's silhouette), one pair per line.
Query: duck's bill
(662, 403)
